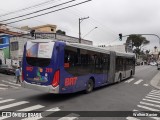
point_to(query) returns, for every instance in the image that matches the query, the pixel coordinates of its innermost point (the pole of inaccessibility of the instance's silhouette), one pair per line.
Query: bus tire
(120, 78)
(90, 86)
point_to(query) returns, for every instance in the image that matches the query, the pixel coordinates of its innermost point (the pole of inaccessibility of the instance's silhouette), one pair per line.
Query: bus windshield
(39, 54)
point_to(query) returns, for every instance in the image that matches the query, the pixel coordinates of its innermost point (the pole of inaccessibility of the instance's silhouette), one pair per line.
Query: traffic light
(32, 33)
(120, 36)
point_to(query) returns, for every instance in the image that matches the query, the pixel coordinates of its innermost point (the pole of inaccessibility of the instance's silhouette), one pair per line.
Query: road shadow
(57, 98)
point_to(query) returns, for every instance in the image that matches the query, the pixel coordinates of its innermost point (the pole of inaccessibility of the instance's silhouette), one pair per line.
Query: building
(5, 33)
(17, 42)
(48, 28)
(41, 32)
(4, 48)
(155, 55)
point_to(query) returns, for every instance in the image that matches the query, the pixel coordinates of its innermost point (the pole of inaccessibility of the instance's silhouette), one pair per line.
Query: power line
(49, 12)
(38, 11)
(27, 8)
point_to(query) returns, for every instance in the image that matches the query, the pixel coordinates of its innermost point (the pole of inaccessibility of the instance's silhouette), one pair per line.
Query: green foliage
(138, 40)
(61, 32)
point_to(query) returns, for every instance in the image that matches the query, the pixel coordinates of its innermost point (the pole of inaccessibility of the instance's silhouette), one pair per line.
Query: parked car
(6, 69)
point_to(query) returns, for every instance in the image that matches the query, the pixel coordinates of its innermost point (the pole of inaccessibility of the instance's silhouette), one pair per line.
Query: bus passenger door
(105, 68)
(112, 67)
(124, 68)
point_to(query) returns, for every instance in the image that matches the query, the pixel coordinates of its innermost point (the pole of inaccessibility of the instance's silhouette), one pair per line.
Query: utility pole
(80, 20)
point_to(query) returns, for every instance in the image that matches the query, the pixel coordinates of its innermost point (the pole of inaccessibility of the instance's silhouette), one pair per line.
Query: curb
(156, 80)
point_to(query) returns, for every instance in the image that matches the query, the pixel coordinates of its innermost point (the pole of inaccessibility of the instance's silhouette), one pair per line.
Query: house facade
(48, 28)
(4, 47)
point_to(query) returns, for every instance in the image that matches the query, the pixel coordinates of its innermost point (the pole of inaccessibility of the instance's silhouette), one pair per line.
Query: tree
(138, 41)
(60, 32)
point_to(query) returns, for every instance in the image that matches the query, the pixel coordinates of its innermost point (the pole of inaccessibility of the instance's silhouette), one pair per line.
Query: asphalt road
(134, 94)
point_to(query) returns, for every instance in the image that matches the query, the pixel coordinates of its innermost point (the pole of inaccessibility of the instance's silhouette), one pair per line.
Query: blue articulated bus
(59, 67)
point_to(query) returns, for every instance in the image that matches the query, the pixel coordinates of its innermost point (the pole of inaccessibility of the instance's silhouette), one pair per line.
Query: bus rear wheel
(90, 86)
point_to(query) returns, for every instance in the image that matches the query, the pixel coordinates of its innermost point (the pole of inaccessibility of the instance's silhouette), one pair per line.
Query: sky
(111, 17)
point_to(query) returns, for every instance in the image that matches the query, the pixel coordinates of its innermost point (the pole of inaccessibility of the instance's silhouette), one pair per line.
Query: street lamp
(90, 31)
(80, 20)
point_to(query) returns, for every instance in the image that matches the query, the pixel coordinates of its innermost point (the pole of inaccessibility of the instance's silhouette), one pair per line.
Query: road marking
(154, 94)
(130, 80)
(54, 109)
(14, 87)
(152, 101)
(35, 107)
(155, 91)
(4, 117)
(144, 103)
(7, 100)
(135, 110)
(146, 85)
(71, 116)
(139, 81)
(13, 105)
(3, 88)
(68, 118)
(4, 85)
(132, 118)
(148, 108)
(153, 98)
(156, 118)
(10, 83)
(7, 86)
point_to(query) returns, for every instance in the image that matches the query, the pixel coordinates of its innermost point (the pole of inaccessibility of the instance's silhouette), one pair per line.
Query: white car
(153, 63)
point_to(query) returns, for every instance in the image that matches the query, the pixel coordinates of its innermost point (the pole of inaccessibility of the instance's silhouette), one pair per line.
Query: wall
(5, 45)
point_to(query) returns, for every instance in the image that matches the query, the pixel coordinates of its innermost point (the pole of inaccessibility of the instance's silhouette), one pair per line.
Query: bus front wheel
(90, 86)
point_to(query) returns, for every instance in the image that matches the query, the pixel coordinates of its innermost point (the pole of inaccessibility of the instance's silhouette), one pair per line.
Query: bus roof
(125, 54)
(98, 49)
(86, 47)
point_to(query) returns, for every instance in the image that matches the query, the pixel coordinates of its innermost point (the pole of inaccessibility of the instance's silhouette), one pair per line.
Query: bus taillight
(56, 78)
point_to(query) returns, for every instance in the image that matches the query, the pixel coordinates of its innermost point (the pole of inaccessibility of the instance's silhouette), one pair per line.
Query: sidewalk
(155, 82)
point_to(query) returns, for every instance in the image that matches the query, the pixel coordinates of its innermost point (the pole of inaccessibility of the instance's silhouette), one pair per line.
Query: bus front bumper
(48, 89)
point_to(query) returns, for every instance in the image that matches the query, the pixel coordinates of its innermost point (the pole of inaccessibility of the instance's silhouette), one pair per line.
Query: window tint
(82, 62)
(124, 63)
(39, 62)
